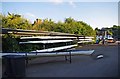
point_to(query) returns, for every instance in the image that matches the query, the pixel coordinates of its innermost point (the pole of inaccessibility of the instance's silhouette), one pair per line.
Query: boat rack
(65, 53)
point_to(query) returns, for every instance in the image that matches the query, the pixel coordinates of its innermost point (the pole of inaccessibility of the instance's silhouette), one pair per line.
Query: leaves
(15, 21)
(70, 25)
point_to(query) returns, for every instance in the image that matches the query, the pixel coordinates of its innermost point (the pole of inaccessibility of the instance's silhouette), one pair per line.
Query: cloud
(61, 1)
(30, 15)
(56, 1)
(72, 4)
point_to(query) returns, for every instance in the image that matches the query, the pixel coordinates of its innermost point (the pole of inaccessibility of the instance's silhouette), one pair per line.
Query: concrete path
(81, 66)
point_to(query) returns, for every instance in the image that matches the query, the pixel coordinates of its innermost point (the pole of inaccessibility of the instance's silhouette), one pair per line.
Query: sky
(96, 14)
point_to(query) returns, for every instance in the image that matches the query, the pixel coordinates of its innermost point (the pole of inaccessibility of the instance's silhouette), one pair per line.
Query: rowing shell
(41, 54)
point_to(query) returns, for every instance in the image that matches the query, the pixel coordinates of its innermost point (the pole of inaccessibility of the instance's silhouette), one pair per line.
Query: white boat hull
(37, 54)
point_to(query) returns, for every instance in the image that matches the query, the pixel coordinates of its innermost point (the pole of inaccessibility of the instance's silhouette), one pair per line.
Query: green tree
(15, 21)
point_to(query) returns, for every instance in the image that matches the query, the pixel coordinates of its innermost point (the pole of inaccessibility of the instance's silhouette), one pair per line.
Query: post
(70, 56)
(65, 57)
(26, 58)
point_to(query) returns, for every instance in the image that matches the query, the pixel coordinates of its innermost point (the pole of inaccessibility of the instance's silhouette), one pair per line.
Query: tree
(116, 32)
(15, 21)
(69, 20)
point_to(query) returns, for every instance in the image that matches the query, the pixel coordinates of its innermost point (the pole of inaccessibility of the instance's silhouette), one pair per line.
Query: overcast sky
(95, 13)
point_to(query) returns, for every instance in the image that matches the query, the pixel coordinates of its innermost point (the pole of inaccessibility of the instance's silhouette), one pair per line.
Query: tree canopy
(114, 31)
(16, 21)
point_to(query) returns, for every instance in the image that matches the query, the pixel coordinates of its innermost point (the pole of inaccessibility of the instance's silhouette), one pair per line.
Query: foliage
(70, 25)
(15, 21)
(116, 32)
(9, 43)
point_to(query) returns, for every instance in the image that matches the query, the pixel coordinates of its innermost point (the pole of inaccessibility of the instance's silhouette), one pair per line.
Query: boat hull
(40, 54)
